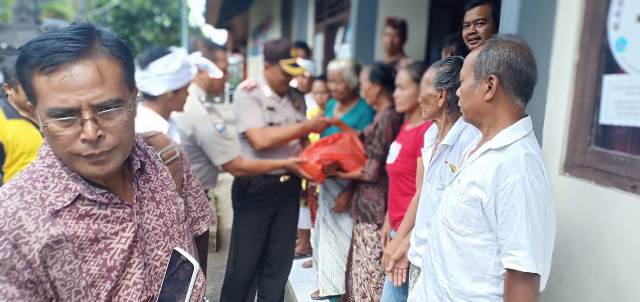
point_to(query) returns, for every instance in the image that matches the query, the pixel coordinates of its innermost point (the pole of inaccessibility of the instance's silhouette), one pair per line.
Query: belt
(282, 178)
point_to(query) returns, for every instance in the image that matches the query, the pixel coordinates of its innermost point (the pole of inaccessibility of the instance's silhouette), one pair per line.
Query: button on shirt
(65, 239)
(149, 120)
(261, 107)
(205, 138)
(495, 215)
(438, 173)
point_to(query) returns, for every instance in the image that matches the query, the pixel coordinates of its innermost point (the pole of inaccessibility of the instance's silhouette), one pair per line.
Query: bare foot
(308, 263)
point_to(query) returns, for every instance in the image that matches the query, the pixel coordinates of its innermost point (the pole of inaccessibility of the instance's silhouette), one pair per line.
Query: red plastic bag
(342, 148)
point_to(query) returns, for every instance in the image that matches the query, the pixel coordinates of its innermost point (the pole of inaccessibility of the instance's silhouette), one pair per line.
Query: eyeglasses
(105, 118)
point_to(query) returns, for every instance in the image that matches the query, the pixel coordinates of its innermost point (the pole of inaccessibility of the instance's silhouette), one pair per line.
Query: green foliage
(57, 10)
(142, 22)
(6, 11)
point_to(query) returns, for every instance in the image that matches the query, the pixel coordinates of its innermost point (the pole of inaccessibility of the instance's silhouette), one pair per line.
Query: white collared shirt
(437, 174)
(496, 214)
(149, 120)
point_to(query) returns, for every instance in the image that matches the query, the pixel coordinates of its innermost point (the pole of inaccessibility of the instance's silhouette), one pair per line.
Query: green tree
(142, 23)
(6, 11)
(61, 9)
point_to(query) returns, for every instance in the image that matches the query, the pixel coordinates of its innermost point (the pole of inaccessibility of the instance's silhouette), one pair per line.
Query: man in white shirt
(163, 76)
(491, 238)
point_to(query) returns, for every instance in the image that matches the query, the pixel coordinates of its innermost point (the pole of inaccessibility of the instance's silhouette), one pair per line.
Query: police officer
(204, 135)
(271, 124)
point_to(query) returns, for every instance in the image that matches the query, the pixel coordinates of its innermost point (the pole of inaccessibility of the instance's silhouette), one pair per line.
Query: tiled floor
(302, 280)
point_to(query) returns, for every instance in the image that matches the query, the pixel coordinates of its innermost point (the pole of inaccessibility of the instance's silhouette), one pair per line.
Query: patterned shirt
(63, 238)
(370, 194)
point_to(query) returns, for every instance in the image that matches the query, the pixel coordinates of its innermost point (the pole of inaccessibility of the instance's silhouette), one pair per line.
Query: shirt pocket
(272, 115)
(462, 214)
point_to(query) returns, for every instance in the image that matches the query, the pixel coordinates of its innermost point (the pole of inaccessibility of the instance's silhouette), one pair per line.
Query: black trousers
(263, 235)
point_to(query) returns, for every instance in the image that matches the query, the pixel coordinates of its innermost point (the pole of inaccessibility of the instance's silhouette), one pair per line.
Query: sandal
(297, 255)
(316, 296)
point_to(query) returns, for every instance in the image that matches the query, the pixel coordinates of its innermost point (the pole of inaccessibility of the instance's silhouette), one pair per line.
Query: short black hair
(303, 45)
(199, 40)
(416, 70)
(9, 72)
(151, 54)
(382, 74)
(399, 25)
(276, 50)
(54, 49)
(322, 77)
(495, 9)
(10, 77)
(455, 43)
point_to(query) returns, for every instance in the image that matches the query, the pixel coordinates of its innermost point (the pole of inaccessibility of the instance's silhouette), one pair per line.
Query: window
(604, 139)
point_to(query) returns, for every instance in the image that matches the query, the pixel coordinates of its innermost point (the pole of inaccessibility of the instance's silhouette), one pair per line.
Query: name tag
(394, 151)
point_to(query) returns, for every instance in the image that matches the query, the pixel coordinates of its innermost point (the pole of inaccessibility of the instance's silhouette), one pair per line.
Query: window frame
(583, 158)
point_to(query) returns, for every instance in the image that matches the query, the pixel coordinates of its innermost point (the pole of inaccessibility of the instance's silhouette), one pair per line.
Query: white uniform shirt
(261, 107)
(149, 120)
(205, 137)
(496, 214)
(437, 174)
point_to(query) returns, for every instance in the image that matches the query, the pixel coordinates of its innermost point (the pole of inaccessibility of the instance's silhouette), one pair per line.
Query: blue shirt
(359, 117)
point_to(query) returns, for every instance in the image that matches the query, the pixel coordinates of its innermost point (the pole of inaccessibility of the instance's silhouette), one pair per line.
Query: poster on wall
(620, 100)
(620, 94)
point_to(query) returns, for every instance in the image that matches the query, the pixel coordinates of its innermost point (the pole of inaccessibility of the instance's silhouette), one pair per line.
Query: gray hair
(349, 68)
(511, 60)
(447, 78)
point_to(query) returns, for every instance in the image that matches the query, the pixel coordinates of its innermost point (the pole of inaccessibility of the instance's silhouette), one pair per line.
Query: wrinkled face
(470, 98)
(277, 79)
(391, 40)
(429, 104)
(406, 94)
(304, 83)
(81, 89)
(478, 26)
(320, 93)
(338, 86)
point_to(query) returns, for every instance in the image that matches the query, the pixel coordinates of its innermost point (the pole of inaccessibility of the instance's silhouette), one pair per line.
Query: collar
(506, 137)
(268, 92)
(198, 93)
(62, 185)
(452, 136)
(455, 131)
(149, 120)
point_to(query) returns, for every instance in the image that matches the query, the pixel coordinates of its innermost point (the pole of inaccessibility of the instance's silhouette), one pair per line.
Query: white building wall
(259, 12)
(597, 251)
(416, 12)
